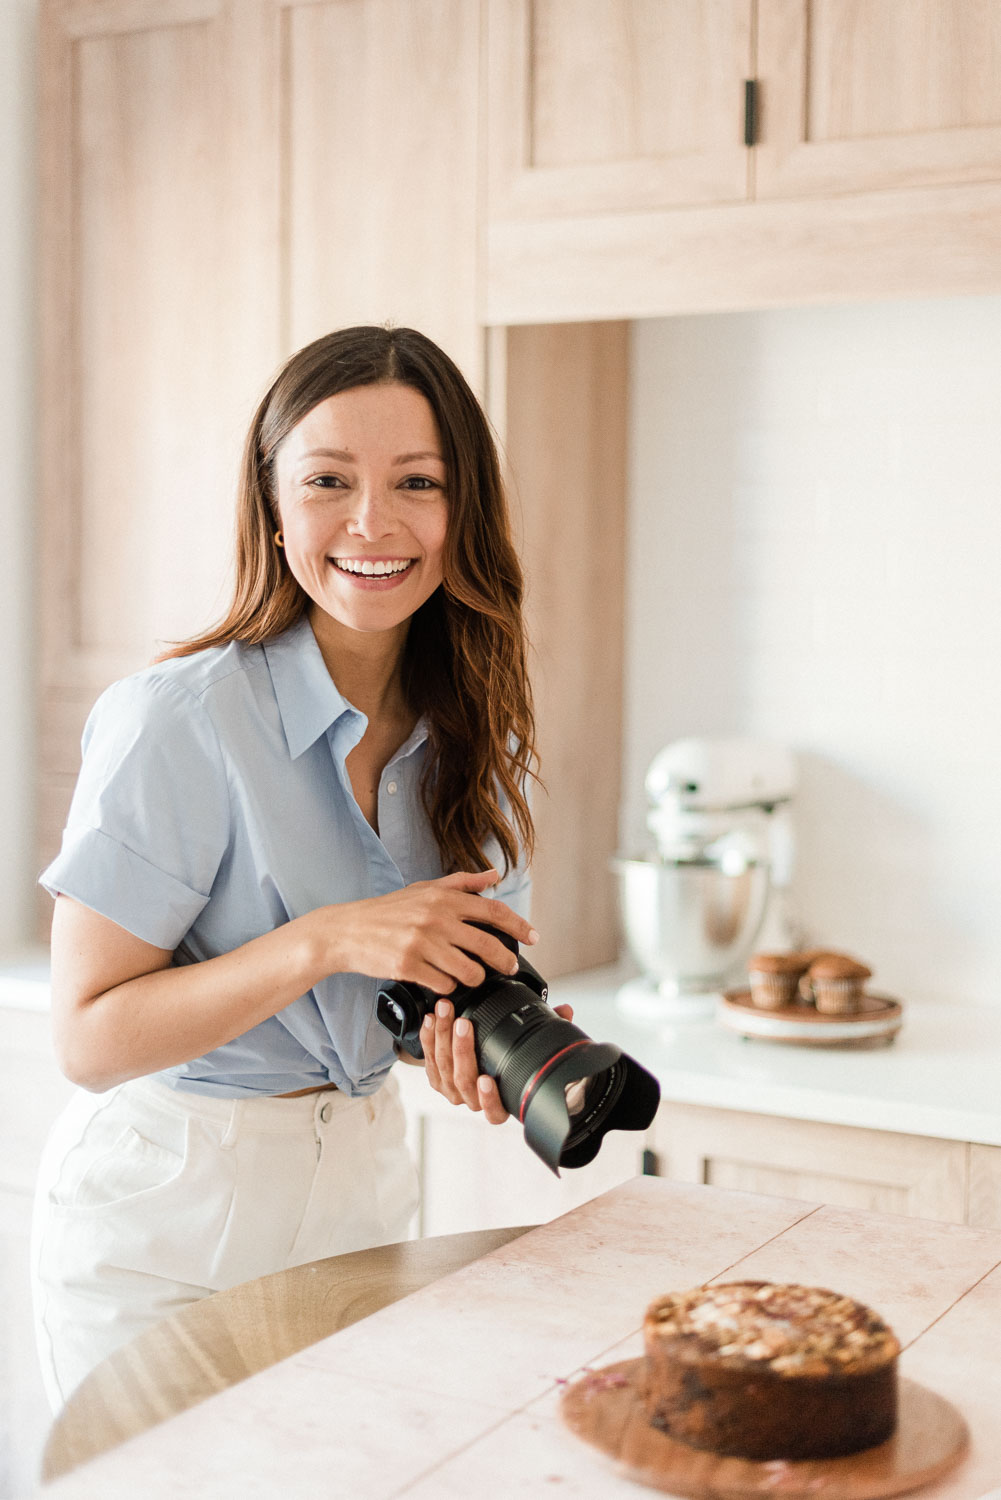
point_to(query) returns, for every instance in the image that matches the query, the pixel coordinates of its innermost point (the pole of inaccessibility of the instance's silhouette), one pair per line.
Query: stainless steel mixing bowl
(689, 923)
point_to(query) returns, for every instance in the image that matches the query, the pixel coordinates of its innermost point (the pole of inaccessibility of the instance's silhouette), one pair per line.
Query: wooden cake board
(604, 1408)
(875, 1024)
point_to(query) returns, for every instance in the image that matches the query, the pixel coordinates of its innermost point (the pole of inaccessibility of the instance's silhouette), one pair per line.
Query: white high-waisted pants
(149, 1198)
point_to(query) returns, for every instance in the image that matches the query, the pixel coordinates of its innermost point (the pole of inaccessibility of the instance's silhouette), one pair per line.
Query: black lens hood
(544, 1112)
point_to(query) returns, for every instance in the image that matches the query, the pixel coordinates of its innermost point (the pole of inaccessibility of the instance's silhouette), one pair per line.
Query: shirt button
(391, 788)
(326, 1112)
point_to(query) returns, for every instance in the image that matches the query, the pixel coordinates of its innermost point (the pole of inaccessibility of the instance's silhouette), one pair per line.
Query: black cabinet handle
(750, 111)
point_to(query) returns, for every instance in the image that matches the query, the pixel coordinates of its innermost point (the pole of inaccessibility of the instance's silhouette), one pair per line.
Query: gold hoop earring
(279, 539)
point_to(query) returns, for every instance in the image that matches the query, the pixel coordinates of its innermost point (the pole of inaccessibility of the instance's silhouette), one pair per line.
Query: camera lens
(566, 1090)
(589, 1100)
(576, 1097)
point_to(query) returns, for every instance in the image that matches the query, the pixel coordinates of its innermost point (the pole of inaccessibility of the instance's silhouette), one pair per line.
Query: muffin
(810, 956)
(837, 983)
(773, 978)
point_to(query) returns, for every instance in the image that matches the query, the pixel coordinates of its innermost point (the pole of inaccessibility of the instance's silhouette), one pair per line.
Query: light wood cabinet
(154, 238)
(562, 409)
(875, 168)
(378, 144)
(872, 1169)
(859, 95)
(602, 105)
(626, 105)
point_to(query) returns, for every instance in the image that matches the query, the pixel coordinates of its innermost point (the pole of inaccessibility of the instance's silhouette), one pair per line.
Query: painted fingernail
(462, 1028)
(428, 1023)
(441, 1009)
(533, 936)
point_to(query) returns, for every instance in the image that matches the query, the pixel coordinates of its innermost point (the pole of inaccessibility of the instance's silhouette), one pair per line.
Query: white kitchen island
(910, 1128)
(454, 1391)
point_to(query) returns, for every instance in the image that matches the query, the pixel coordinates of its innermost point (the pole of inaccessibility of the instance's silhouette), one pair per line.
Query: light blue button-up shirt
(213, 805)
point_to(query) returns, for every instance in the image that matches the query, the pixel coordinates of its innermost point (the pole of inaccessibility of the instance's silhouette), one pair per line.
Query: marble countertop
(454, 1391)
(940, 1076)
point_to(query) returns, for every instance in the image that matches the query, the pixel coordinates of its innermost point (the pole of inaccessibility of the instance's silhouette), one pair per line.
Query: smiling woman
(364, 524)
(311, 797)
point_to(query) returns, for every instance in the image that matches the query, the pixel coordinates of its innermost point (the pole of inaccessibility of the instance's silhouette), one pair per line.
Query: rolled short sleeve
(149, 822)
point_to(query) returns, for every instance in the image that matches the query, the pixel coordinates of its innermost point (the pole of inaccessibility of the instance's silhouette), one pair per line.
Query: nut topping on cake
(786, 1328)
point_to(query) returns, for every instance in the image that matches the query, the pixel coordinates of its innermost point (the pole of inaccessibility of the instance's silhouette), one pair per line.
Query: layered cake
(762, 1370)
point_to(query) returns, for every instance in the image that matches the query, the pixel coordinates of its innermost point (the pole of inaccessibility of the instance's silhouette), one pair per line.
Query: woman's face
(361, 494)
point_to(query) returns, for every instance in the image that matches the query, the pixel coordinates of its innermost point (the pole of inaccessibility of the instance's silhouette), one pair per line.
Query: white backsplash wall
(815, 558)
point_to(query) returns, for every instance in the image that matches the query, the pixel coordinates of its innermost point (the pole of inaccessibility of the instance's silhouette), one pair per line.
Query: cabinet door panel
(380, 143)
(599, 105)
(808, 1186)
(157, 295)
(867, 94)
(872, 1169)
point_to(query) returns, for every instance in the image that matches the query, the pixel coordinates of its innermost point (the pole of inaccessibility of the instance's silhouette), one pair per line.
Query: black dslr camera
(566, 1090)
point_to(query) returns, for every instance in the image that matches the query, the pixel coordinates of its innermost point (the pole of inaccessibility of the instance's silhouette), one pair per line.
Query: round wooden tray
(875, 1025)
(604, 1408)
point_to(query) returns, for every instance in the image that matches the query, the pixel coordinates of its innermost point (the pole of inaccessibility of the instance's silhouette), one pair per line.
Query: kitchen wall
(18, 26)
(814, 557)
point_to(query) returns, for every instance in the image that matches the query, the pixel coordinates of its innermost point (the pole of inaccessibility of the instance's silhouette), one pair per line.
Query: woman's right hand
(424, 933)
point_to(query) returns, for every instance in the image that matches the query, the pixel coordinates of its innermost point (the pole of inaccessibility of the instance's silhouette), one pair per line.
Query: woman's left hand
(450, 1059)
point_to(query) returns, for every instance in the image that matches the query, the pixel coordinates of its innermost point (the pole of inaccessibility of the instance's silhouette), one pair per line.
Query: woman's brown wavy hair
(464, 664)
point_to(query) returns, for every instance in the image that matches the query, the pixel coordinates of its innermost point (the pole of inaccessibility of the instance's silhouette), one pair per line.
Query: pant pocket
(130, 1167)
(118, 1156)
(141, 1189)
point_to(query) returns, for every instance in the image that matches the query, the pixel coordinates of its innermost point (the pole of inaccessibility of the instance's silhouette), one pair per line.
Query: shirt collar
(308, 699)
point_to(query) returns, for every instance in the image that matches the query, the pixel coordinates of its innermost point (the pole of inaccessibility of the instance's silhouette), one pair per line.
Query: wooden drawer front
(871, 1169)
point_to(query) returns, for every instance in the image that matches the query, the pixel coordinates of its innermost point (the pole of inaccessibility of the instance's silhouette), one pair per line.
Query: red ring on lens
(537, 1078)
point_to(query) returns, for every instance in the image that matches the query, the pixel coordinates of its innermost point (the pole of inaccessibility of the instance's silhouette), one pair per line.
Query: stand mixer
(718, 883)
